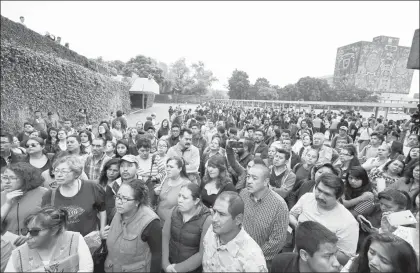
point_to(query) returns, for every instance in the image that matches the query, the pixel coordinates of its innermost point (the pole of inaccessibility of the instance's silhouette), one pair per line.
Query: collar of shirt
(253, 198)
(232, 246)
(116, 184)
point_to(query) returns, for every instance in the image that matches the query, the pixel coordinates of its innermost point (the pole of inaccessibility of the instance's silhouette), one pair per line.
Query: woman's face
(271, 152)
(144, 152)
(72, 144)
(53, 134)
(185, 200)
(118, 125)
(311, 157)
(16, 141)
(213, 172)
(33, 147)
(134, 132)
(388, 205)
(34, 134)
(113, 172)
(215, 144)
(125, 204)
(43, 237)
(414, 153)
(321, 171)
(139, 125)
(396, 167)
(101, 129)
(379, 259)
(279, 159)
(172, 169)
(121, 149)
(109, 147)
(162, 147)
(355, 182)
(11, 181)
(165, 124)
(416, 173)
(306, 140)
(84, 138)
(63, 174)
(345, 155)
(61, 135)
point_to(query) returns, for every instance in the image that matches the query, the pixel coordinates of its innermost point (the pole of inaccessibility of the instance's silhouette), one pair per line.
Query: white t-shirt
(339, 220)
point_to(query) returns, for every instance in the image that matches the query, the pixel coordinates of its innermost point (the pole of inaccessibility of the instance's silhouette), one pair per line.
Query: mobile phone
(236, 144)
(367, 222)
(401, 218)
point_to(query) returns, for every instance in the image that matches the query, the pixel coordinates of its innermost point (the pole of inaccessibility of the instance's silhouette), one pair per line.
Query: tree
(143, 66)
(218, 94)
(179, 74)
(202, 79)
(238, 84)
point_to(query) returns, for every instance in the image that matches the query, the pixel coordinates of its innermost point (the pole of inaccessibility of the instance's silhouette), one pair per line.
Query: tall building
(379, 66)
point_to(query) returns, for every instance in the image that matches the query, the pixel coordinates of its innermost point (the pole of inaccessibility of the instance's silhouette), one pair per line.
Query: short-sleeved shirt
(339, 220)
(241, 254)
(82, 208)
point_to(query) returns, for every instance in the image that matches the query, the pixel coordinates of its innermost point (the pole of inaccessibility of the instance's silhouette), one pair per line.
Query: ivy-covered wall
(33, 80)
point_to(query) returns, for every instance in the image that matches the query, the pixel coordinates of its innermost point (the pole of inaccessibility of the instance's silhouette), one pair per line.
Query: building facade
(379, 66)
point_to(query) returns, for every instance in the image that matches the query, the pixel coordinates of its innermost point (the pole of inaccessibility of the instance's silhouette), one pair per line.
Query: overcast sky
(281, 41)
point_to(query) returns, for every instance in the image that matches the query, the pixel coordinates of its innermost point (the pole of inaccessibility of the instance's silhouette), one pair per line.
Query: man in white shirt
(411, 141)
(322, 206)
(227, 246)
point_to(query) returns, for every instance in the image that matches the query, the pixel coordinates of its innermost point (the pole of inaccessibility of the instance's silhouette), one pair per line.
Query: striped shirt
(93, 169)
(266, 220)
(146, 169)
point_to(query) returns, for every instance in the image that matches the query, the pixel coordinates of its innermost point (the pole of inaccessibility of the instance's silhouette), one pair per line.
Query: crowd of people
(219, 188)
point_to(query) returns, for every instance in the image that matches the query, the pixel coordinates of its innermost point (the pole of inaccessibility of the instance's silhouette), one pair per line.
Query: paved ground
(161, 110)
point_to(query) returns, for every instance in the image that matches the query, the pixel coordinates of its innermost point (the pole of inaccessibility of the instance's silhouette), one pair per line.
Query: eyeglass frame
(55, 172)
(11, 179)
(122, 198)
(29, 231)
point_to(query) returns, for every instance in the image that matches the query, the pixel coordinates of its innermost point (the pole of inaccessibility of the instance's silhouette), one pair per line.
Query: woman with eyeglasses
(134, 240)
(162, 149)
(358, 195)
(83, 198)
(382, 178)
(109, 174)
(176, 178)
(384, 253)
(183, 232)
(21, 196)
(347, 160)
(36, 154)
(49, 246)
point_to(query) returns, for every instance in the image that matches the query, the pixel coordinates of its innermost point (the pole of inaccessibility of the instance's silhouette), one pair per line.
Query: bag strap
(53, 197)
(151, 165)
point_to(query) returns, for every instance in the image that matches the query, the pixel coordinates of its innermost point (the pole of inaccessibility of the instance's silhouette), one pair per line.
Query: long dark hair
(408, 158)
(359, 173)
(180, 163)
(107, 135)
(103, 178)
(352, 150)
(125, 143)
(49, 138)
(219, 163)
(401, 254)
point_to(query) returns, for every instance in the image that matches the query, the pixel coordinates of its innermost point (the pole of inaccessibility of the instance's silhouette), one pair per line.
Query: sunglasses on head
(31, 145)
(33, 232)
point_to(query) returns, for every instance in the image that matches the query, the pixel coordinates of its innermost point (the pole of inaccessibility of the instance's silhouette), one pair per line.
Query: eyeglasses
(345, 154)
(33, 232)
(33, 145)
(61, 171)
(10, 178)
(122, 199)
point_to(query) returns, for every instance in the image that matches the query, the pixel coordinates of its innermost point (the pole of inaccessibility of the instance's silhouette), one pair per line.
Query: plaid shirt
(266, 221)
(93, 169)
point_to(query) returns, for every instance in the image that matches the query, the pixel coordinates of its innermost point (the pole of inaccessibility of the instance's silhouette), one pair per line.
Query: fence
(168, 98)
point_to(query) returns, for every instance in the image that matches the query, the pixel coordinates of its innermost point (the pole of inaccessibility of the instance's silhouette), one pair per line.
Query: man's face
(151, 132)
(67, 124)
(98, 147)
(210, 124)
(325, 196)
(284, 136)
(258, 137)
(185, 140)
(374, 140)
(222, 220)
(175, 131)
(303, 125)
(128, 170)
(413, 141)
(4, 144)
(195, 130)
(324, 259)
(340, 144)
(318, 140)
(37, 114)
(251, 133)
(279, 159)
(287, 145)
(255, 180)
(28, 128)
(342, 132)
